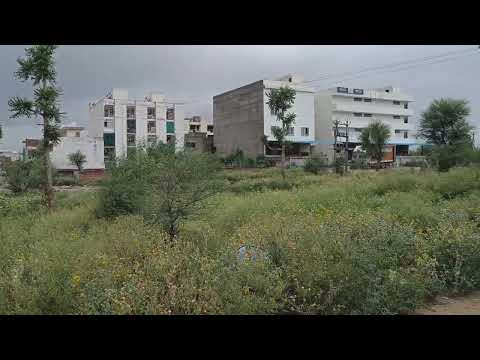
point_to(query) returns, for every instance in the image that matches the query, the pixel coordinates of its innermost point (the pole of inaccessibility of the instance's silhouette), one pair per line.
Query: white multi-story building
(242, 119)
(198, 124)
(359, 107)
(123, 123)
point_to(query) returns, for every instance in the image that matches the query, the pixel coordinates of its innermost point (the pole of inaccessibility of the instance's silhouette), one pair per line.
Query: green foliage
(444, 157)
(126, 185)
(77, 159)
(239, 160)
(65, 181)
(180, 183)
(24, 175)
(445, 123)
(339, 165)
(20, 205)
(372, 243)
(315, 164)
(374, 138)
(38, 66)
(279, 102)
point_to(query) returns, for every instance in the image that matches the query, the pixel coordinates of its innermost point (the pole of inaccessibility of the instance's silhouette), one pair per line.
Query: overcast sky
(196, 73)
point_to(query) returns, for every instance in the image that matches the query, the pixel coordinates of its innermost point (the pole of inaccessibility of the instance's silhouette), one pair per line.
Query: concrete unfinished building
(242, 119)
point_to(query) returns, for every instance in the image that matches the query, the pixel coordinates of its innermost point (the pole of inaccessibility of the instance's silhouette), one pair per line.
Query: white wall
(303, 107)
(90, 147)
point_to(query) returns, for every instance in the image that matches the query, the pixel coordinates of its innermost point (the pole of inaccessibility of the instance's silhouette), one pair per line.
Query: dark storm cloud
(196, 73)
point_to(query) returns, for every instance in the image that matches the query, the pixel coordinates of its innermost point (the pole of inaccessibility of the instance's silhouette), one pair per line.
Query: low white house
(75, 138)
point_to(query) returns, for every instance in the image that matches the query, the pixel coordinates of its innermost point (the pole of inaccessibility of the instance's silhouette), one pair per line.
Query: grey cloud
(197, 73)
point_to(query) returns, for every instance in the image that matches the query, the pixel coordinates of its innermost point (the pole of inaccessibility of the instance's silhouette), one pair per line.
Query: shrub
(23, 175)
(65, 181)
(314, 164)
(126, 186)
(339, 165)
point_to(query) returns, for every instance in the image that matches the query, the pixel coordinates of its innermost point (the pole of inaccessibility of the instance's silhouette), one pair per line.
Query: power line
(380, 67)
(404, 68)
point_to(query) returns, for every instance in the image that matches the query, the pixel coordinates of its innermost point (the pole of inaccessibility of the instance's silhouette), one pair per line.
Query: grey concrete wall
(323, 126)
(238, 120)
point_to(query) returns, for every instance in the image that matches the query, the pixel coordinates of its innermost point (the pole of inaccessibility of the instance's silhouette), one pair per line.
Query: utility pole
(335, 134)
(347, 123)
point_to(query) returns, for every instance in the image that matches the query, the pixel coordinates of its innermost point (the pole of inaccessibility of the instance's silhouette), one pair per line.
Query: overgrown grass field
(368, 243)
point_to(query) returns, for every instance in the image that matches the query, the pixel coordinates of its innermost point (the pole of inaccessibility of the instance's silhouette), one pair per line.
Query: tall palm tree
(374, 138)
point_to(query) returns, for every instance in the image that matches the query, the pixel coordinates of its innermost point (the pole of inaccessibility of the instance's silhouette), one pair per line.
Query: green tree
(445, 123)
(181, 181)
(374, 138)
(279, 102)
(38, 65)
(77, 159)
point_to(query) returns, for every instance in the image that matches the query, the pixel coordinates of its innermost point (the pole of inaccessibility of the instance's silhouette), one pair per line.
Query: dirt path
(465, 305)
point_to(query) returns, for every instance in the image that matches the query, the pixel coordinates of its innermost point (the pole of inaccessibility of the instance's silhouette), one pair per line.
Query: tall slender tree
(38, 66)
(373, 139)
(279, 102)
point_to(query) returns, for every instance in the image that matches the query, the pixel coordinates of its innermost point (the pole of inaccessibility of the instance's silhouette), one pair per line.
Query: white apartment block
(124, 123)
(242, 118)
(198, 124)
(359, 107)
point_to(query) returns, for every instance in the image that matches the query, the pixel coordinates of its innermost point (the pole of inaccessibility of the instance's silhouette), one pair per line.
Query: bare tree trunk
(49, 195)
(283, 161)
(378, 165)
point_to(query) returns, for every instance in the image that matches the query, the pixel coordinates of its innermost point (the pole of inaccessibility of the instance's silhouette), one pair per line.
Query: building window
(170, 113)
(357, 114)
(358, 91)
(77, 134)
(1, 132)
(367, 115)
(130, 139)
(108, 111)
(305, 131)
(152, 139)
(396, 116)
(386, 90)
(151, 127)
(105, 124)
(396, 103)
(405, 135)
(130, 112)
(405, 120)
(342, 90)
(151, 113)
(397, 131)
(357, 99)
(170, 127)
(290, 131)
(210, 128)
(405, 106)
(109, 153)
(190, 145)
(170, 139)
(367, 100)
(131, 127)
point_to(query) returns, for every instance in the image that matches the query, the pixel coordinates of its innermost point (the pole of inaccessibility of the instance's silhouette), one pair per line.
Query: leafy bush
(339, 165)
(381, 243)
(65, 181)
(126, 186)
(315, 164)
(23, 175)
(20, 205)
(239, 160)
